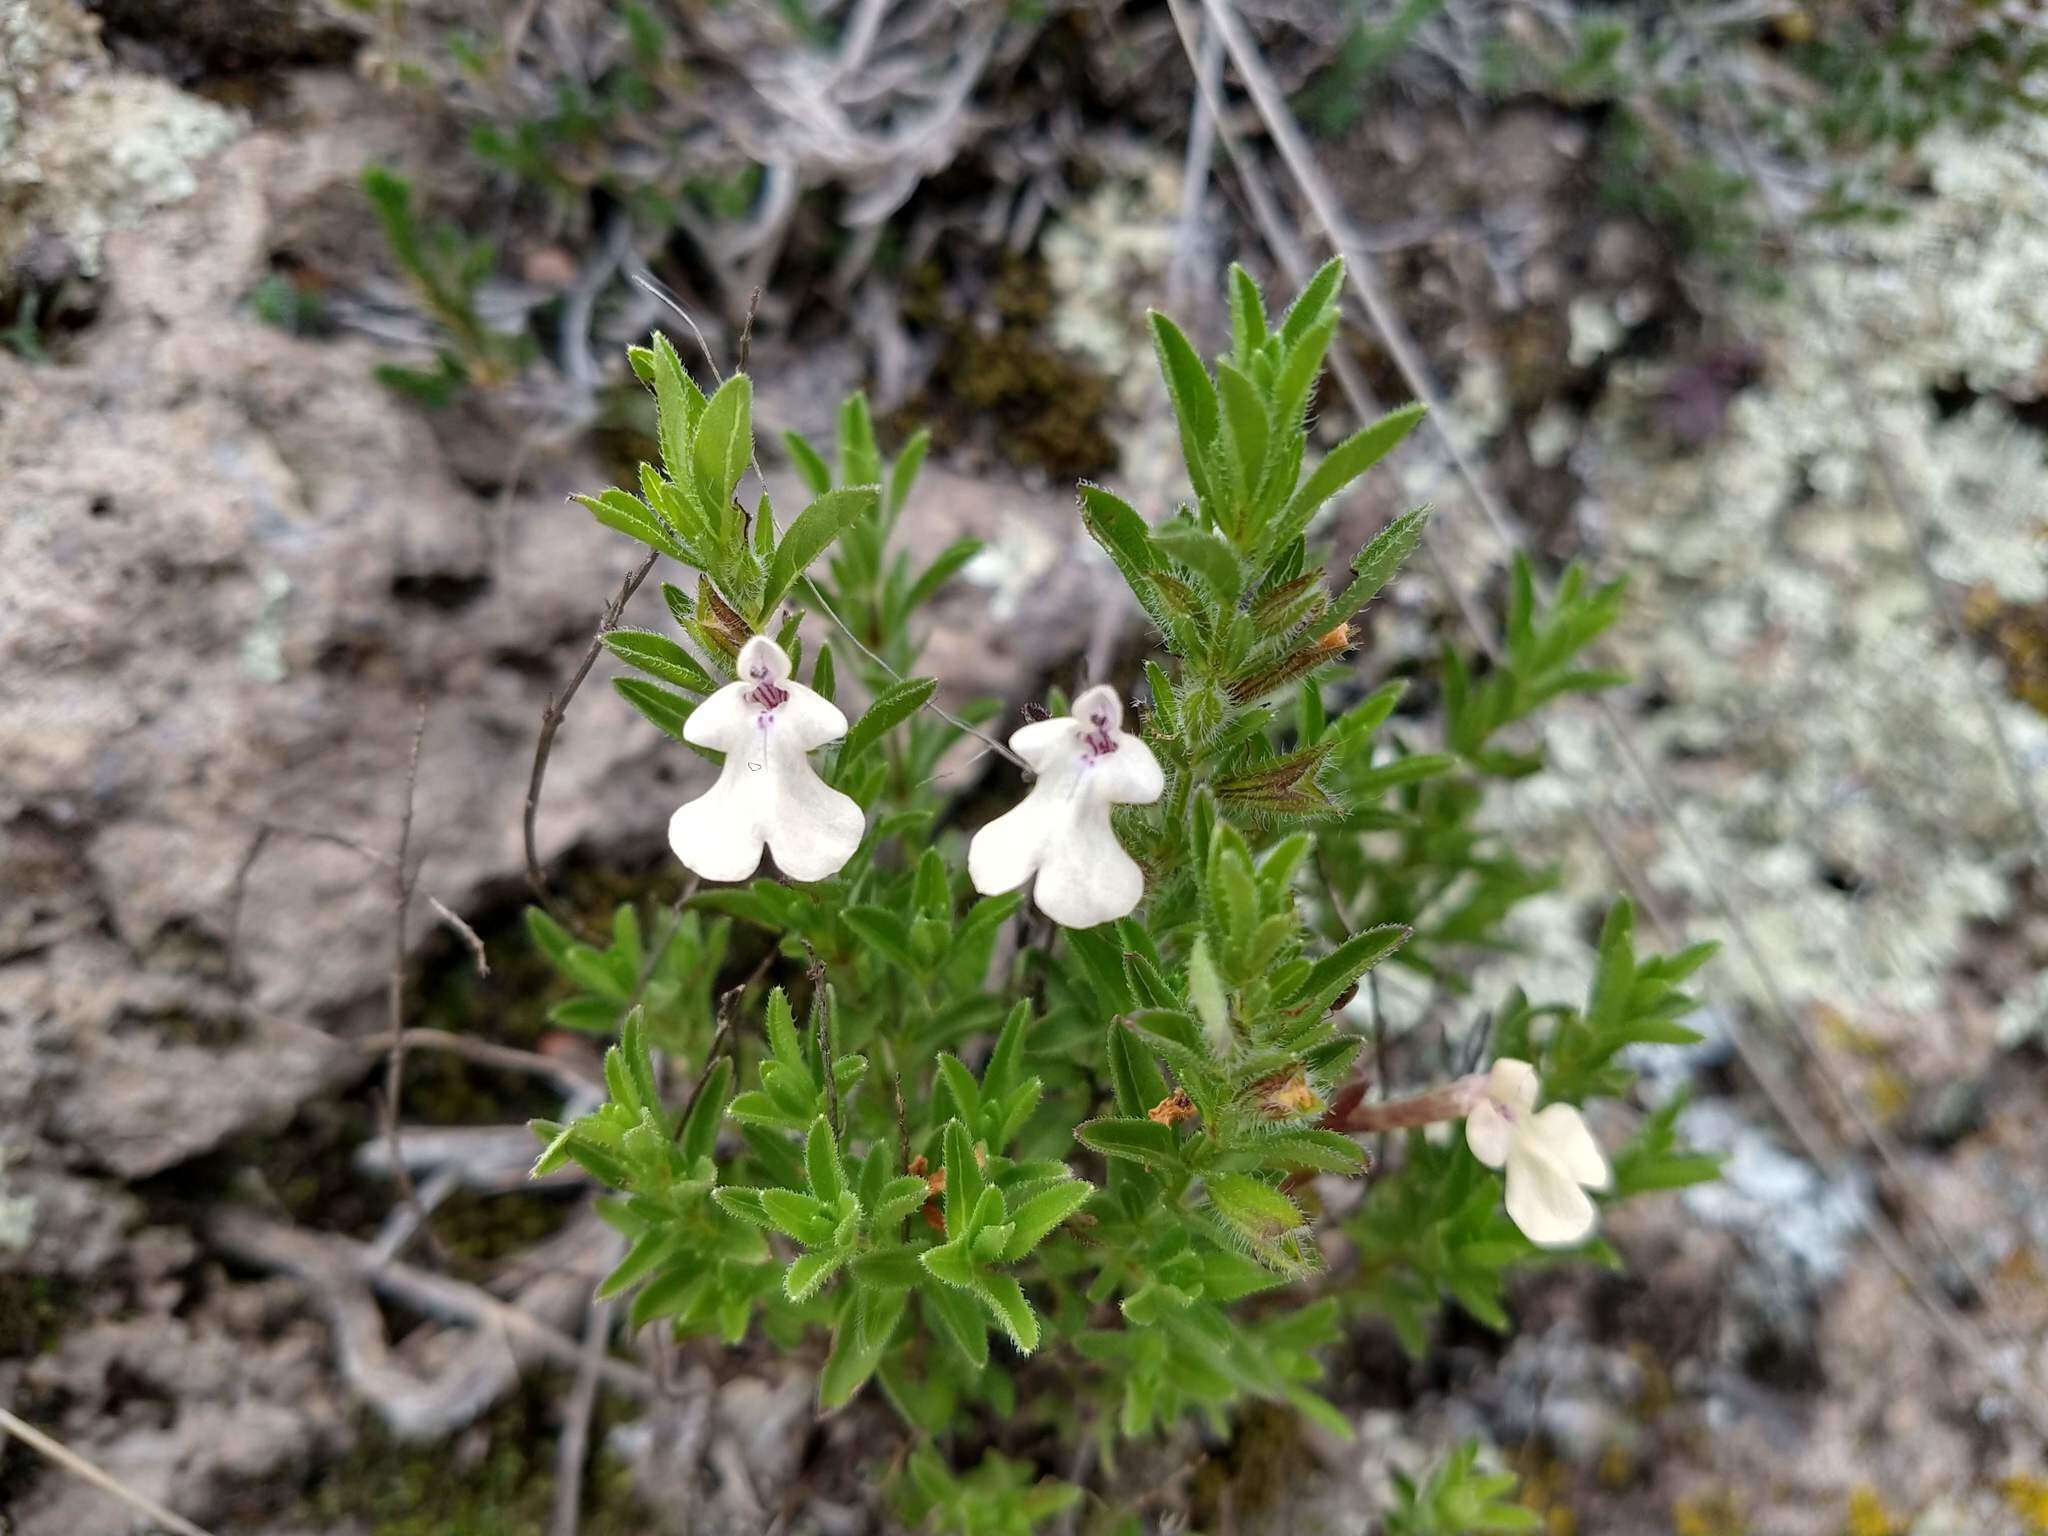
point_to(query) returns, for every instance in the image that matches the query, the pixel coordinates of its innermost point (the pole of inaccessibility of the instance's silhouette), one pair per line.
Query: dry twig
(551, 722)
(574, 1447)
(394, 1061)
(342, 1273)
(464, 932)
(485, 1053)
(61, 1455)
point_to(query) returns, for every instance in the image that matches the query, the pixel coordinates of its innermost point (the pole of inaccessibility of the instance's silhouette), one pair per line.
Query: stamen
(1100, 741)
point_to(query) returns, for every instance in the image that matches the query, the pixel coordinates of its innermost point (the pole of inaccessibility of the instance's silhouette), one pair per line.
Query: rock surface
(230, 567)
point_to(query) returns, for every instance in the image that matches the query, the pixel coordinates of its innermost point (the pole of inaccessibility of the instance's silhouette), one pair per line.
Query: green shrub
(1017, 1177)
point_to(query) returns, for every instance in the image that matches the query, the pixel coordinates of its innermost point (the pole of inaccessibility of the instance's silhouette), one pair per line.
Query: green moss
(510, 1006)
(623, 436)
(1266, 1460)
(485, 1228)
(35, 1310)
(307, 1168)
(998, 375)
(219, 1032)
(393, 1489)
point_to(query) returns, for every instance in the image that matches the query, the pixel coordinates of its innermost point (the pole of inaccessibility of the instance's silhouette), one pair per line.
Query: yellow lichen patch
(1838, 1030)
(1888, 1094)
(1545, 1489)
(1715, 1513)
(2017, 634)
(2027, 1497)
(1868, 1515)
(1617, 1467)
(1884, 1089)
(1654, 1393)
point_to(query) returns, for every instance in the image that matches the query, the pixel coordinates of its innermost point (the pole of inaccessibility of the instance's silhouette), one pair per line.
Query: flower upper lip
(1550, 1157)
(1060, 833)
(767, 796)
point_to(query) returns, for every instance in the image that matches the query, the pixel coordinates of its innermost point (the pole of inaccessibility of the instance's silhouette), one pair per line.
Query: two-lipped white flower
(1550, 1156)
(1060, 832)
(767, 795)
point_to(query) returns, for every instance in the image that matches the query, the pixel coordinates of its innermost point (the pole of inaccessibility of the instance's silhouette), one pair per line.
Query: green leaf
(630, 516)
(1005, 1298)
(963, 1178)
(797, 1215)
(1205, 991)
(950, 1264)
(1260, 1213)
(639, 1262)
(678, 404)
(821, 1162)
(890, 1268)
(1037, 1216)
(1207, 556)
(903, 473)
(1133, 1072)
(1247, 316)
(1193, 397)
(810, 536)
(1139, 1141)
(935, 575)
(660, 656)
(744, 1204)
(858, 1344)
(700, 1131)
(860, 463)
(1347, 962)
(666, 709)
(960, 1084)
(1345, 463)
(723, 445)
(1246, 430)
(809, 1271)
(955, 1318)
(1379, 560)
(1307, 1147)
(887, 932)
(1298, 376)
(891, 708)
(640, 1063)
(1319, 294)
(1114, 524)
(810, 468)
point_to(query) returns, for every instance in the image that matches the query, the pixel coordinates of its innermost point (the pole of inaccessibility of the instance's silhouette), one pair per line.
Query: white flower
(1061, 831)
(767, 793)
(1548, 1155)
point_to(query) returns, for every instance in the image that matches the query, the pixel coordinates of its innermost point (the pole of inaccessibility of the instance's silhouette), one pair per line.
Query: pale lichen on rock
(1815, 727)
(86, 148)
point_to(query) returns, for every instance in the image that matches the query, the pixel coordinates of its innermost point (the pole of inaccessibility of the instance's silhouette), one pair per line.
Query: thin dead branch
(342, 1274)
(485, 1053)
(464, 932)
(573, 1450)
(394, 1061)
(551, 721)
(61, 1455)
